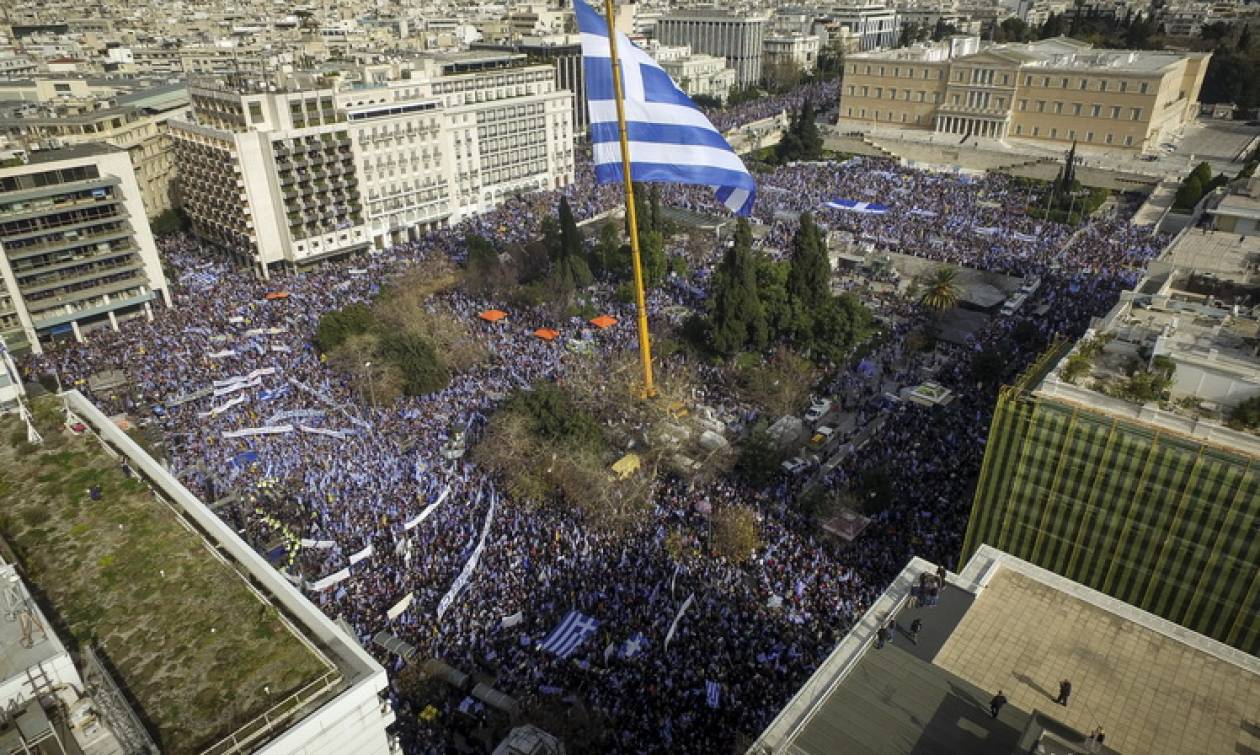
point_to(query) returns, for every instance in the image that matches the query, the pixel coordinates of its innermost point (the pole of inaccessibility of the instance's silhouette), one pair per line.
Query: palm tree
(940, 290)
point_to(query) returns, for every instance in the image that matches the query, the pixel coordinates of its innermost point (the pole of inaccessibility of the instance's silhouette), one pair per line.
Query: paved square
(1151, 693)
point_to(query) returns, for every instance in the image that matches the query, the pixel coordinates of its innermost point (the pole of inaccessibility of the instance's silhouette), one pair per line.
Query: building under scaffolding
(1126, 466)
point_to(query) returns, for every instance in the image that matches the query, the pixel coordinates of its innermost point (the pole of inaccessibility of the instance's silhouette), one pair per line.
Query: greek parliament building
(739, 39)
(302, 169)
(76, 252)
(1056, 90)
(1125, 465)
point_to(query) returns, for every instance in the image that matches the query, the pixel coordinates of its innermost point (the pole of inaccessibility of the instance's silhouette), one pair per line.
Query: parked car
(822, 436)
(818, 410)
(795, 465)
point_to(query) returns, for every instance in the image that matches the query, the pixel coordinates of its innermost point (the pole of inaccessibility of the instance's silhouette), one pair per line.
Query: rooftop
(71, 152)
(1182, 350)
(197, 649)
(1004, 624)
(1057, 53)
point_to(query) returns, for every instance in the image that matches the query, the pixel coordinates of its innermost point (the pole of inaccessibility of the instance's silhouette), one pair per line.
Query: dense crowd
(367, 495)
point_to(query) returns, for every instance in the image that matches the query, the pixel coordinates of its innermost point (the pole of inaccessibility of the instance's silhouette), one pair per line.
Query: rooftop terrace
(197, 648)
(1004, 624)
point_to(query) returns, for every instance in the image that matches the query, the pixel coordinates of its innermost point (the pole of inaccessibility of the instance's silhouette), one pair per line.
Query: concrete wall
(352, 723)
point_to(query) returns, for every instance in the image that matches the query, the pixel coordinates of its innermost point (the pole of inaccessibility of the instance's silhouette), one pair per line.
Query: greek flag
(671, 141)
(712, 693)
(866, 208)
(569, 634)
(633, 646)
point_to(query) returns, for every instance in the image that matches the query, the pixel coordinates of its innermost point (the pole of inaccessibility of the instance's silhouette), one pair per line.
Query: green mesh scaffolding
(1152, 518)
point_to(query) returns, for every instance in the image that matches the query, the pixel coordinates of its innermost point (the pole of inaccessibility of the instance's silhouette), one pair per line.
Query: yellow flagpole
(645, 345)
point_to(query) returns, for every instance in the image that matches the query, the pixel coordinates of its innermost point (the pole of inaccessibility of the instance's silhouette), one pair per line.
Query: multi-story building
(314, 171)
(695, 74)
(1127, 465)
(791, 50)
(874, 23)
(76, 252)
(138, 124)
(564, 51)
(1057, 90)
(738, 39)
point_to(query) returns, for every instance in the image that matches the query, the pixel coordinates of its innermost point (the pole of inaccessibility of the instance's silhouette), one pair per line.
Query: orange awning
(493, 315)
(547, 334)
(604, 321)
(274, 295)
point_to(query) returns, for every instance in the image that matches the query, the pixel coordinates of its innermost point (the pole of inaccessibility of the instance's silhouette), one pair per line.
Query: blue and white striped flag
(712, 693)
(671, 141)
(570, 633)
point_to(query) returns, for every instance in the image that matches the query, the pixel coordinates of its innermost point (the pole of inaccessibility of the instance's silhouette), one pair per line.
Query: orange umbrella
(493, 315)
(274, 295)
(604, 321)
(547, 334)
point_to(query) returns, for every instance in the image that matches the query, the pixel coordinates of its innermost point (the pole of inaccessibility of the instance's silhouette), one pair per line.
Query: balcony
(100, 272)
(77, 260)
(64, 244)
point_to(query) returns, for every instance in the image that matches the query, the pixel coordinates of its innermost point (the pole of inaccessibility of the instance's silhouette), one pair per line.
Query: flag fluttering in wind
(671, 140)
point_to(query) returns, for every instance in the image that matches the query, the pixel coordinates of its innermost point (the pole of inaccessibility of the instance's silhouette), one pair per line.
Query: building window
(1023, 105)
(1095, 110)
(1072, 134)
(1041, 106)
(879, 92)
(1036, 131)
(1128, 141)
(1054, 133)
(1124, 86)
(1108, 139)
(1102, 85)
(1045, 82)
(953, 98)
(1089, 136)
(1019, 130)
(1006, 78)
(1137, 114)
(1142, 87)
(1084, 84)
(1076, 108)
(1058, 108)
(1027, 81)
(1063, 84)
(1115, 112)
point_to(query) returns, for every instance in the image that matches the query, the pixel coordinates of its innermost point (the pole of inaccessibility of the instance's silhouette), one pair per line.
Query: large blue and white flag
(570, 633)
(866, 208)
(671, 141)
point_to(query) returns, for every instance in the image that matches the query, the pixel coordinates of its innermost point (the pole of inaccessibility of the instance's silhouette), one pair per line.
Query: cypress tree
(737, 319)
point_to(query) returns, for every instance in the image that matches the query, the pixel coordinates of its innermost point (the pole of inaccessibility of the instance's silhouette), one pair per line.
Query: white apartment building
(874, 23)
(76, 252)
(800, 50)
(316, 172)
(737, 38)
(696, 74)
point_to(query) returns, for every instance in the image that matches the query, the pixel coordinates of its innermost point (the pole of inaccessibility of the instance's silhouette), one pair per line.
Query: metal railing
(114, 708)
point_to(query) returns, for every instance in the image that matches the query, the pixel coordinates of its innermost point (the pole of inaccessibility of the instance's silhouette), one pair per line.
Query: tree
(603, 255)
(735, 536)
(811, 139)
(737, 320)
(1246, 416)
(337, 325)
(417, 360)
(654, 205)
(1203, 172)
(1189, 193)
(759, 456)
(570, 268)
(940, 288)
(1053, 27)
(652, 257)
(1244, 39)
(808, 280)
(483, 263)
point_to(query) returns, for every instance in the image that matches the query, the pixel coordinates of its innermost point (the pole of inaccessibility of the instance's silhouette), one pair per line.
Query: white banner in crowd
(221, 354)
(233, 388)
(513, 620)
(328, 400)
(320, 544)
(397, 609)
(279, 417)
(329, 581)
(365, 553)
(280, 348)
(216, 411)
(260, 372)
(683, 609)
(462, 580)
(249, 431)
(412, 523)
(338, 434)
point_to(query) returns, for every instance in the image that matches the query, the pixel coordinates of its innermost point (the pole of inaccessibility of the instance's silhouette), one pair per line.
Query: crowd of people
(371, 512)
